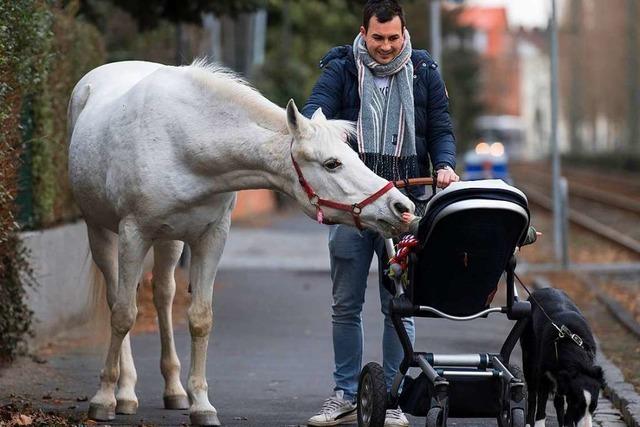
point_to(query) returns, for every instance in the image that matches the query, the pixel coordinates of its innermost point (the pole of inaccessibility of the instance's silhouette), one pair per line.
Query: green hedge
(44, 50)
(76, 48)
(24, 43)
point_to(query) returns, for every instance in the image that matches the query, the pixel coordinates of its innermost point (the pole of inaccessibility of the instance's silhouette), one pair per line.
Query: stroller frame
(446, 372)
(456, 366)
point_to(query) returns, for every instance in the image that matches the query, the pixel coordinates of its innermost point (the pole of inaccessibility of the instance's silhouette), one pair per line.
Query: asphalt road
(270, 354)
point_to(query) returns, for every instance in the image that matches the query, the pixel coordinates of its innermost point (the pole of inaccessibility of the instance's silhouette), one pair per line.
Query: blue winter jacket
(336, 91)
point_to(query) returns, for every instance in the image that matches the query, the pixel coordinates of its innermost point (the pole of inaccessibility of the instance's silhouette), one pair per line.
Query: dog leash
(563, 331)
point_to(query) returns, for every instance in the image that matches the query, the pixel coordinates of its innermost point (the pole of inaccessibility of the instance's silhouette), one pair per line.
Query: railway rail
(601, 210)
(617, 182)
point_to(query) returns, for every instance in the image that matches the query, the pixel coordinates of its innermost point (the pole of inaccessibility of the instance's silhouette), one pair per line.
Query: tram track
(539, 198)
(626, 184)
(591, 192)
(612, 216)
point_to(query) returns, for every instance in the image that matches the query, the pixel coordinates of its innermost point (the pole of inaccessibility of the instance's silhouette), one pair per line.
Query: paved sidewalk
(291, 242)
(270, 357)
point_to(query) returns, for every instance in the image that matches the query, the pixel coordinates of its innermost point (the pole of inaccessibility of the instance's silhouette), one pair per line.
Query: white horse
(156, 154)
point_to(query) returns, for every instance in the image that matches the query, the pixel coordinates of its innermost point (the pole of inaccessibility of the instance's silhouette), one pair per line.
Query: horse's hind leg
(104, 250)
(166, 256)
(205, 256)
(132, 249)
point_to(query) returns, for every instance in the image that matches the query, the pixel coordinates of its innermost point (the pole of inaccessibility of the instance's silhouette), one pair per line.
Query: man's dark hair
(383, 10)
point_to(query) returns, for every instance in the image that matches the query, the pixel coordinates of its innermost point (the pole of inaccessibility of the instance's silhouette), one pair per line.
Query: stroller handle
(413, 181)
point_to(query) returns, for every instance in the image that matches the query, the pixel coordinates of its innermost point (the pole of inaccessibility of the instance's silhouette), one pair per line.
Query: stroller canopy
(468, 234)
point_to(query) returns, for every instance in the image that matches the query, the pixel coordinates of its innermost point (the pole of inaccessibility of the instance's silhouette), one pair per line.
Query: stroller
(465, 241)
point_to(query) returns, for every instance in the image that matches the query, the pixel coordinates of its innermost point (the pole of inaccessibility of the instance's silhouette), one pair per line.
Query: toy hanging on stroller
(465, 241)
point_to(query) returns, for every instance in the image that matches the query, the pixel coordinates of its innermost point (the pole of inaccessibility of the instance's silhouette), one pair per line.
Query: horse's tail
(97, 310)
(78, 100)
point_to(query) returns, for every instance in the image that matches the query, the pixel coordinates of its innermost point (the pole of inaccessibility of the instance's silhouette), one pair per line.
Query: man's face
(384, 40)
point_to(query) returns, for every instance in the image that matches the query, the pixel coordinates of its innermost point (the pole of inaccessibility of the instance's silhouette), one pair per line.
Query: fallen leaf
(23, 420)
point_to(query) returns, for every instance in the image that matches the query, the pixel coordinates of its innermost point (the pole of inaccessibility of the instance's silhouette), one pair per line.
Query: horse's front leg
(205, 255)
(132, 249)
(165, 258)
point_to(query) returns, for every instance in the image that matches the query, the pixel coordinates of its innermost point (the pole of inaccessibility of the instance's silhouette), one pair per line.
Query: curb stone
(622, 394)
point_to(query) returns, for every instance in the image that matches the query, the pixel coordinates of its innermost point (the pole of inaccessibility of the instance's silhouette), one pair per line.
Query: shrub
(24, 36)
(44, 50)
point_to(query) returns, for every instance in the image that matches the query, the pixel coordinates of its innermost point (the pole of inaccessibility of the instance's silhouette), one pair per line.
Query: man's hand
(446, 176)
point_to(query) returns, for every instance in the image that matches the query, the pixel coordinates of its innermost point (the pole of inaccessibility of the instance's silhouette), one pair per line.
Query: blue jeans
(351, 252)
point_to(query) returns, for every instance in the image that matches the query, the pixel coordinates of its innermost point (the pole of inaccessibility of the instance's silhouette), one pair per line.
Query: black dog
(560, 363)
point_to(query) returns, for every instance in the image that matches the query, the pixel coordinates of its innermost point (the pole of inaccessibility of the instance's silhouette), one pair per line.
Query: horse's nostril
(400, 207)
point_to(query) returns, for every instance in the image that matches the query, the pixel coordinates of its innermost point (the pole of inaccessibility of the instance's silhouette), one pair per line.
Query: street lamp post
(436, 31)
(559, 232)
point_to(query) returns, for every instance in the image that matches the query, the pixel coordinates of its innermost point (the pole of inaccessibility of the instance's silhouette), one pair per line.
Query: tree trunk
(213, 28)
(182, 44)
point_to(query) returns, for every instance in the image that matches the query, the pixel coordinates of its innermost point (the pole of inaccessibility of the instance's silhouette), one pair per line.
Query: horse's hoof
(179, 401)
(204, 419)
(101, 413)
(127, 407)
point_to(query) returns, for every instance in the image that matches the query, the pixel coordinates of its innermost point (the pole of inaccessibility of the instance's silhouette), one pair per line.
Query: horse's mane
(228, 84)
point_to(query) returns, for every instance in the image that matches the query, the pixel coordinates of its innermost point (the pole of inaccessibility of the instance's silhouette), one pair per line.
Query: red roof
(490, 20)
(484, 18)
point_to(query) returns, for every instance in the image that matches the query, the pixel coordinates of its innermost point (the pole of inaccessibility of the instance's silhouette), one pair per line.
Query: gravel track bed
(620, 183)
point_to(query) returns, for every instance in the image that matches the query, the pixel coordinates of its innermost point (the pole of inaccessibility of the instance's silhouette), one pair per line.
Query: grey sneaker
(335, 410)
(395, 418)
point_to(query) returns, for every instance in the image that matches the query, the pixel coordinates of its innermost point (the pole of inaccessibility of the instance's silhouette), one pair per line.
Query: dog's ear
(597, 373)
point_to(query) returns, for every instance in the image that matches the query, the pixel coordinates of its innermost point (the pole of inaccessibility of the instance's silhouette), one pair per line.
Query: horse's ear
(296, 122)
(318, 115)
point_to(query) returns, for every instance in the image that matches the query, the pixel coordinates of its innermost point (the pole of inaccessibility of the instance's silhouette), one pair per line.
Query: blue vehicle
(498, 138)
(486, 161)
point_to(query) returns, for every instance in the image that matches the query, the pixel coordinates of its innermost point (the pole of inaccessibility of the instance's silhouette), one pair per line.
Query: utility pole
(576, 100)
(560, 238)
(633, 88)
(436, 32)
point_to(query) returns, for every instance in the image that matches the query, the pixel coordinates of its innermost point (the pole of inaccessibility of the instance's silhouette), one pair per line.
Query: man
(400, 103)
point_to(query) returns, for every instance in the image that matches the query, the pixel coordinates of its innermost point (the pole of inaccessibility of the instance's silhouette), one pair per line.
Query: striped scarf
(386, 124)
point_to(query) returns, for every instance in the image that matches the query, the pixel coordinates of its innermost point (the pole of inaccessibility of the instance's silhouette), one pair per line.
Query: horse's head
(335, 173)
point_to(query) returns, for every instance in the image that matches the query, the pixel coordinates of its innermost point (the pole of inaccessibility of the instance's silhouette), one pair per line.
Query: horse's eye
(332, 164)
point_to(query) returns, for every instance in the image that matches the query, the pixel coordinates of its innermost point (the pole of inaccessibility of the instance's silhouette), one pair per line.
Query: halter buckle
(314, 200)
(356, 209)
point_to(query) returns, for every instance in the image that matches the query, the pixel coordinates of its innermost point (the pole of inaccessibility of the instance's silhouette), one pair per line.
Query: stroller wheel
(435, 417)
(372, 396)
(510, 416)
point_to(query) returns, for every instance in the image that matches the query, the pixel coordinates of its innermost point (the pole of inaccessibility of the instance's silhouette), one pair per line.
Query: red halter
(355, 209)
